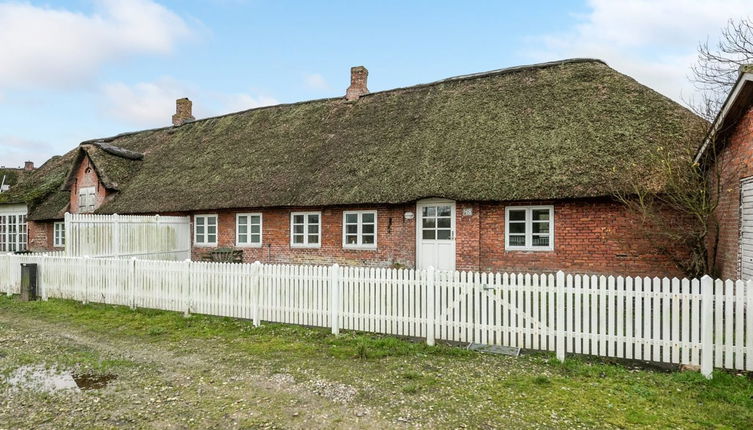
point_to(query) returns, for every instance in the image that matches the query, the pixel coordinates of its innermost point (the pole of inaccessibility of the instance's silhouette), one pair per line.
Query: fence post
(67, 226)
(334, 280)
(8, 279)
(133, 283)
(87, 265)
(40, 274)
(187, 290)
(116, 236)
(430, 277)
(560, 316)
(707, 326)
(257, 292)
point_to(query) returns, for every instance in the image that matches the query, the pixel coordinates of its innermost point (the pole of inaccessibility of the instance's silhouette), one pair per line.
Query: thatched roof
(568, 129)
(40, 189)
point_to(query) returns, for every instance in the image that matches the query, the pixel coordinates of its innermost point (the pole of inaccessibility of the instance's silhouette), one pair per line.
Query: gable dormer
(96, 174)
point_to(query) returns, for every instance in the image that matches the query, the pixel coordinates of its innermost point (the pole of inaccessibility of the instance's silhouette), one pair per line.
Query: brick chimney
(357, 88)
(182, 112)
(28, 166)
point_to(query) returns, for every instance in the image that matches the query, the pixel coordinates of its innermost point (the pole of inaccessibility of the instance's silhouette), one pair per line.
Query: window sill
(509, 249)
(359, 248)
(306, 246)
(249, 245)
(205, 245)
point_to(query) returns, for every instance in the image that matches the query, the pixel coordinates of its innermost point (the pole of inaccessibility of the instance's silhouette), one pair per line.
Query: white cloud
(316, 81)
(49, 47)
(151, 104)
(15, 150)
(652, 41)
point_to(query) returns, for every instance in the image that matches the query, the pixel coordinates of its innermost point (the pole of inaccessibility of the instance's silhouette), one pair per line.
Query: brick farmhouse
(730, 144)
(509, 170)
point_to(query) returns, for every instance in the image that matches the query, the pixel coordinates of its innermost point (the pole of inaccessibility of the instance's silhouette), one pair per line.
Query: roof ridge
(495, 72)
(470, 76)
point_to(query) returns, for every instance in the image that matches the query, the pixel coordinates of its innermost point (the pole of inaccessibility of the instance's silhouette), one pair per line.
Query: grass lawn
(210, 372)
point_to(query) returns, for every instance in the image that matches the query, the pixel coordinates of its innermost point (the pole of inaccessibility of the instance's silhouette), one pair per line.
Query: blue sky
(81, 69)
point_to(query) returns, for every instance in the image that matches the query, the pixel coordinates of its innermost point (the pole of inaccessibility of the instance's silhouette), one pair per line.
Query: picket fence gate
(702, 322)
(124, 236)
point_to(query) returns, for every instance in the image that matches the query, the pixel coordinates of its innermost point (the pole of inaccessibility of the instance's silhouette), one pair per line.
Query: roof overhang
(734, 106)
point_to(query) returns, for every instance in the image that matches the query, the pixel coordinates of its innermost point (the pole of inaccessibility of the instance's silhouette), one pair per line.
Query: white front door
(435, 234)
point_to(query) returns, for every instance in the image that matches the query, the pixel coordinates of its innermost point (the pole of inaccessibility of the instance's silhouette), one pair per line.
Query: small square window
(529, 228)
(359, 229)
(205, 230)
(248, 230)
(305, 229)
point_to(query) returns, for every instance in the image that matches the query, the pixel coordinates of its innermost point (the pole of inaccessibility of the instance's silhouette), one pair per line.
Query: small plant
(411, 375)
(541, 380)
(156, 331)
(362, 351)
(410, 389)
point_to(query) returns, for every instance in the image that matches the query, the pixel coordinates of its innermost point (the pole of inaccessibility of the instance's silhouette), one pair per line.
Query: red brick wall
(86, 176)
(396, 242)
(591, 236)
(41, 236)
(735, 163)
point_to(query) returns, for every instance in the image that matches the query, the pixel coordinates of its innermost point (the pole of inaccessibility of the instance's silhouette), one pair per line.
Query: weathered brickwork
(735, 164)
(40, 236)
(396, 243)
(591, 236)
(86, 176)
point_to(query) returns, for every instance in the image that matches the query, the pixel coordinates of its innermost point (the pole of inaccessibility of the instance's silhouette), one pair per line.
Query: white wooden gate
(118, 236)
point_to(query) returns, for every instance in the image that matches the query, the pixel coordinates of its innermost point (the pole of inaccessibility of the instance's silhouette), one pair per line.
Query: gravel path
(186, 384)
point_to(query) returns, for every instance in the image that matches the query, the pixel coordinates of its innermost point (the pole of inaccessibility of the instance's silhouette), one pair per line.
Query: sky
(82, 69)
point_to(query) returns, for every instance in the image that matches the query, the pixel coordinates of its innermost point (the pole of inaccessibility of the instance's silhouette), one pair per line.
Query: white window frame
(205, 234)
(529, 228)
(305, 243)
(58, 234)
(359, 233)
(13, 235)
(248, 243)
(84, 195)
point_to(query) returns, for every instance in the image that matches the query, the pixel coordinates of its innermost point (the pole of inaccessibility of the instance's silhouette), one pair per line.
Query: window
(305, 228)
(359, 229)
(12, 233)
(59, 234)
(529, 228)
(205, 230)
(248, 229)
(436, 222)
(86, 199)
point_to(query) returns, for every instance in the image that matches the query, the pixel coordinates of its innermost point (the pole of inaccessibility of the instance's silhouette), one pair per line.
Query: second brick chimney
(357, 88)
(182, 112)
(29, 166)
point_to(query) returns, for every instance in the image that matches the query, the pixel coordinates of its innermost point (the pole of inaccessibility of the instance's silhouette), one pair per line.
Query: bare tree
(679, 219)
(718, 64)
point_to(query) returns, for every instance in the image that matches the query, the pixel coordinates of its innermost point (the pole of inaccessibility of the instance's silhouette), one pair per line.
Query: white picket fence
(702, 322)
(125, 236)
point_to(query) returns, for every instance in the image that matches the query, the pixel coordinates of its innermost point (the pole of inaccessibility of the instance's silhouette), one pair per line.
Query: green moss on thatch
(39, 186)
(565, 130)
